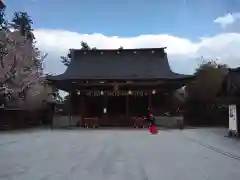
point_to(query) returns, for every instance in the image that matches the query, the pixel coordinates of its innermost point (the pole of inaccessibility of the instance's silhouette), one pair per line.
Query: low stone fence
(60, 121)
(170, 121)
(19, 118)
(66, 121)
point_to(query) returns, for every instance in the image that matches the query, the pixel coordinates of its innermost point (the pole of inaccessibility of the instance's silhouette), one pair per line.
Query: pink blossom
(18, 70)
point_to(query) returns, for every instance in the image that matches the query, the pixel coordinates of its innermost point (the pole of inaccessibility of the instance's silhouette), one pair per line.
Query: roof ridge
(113, 50)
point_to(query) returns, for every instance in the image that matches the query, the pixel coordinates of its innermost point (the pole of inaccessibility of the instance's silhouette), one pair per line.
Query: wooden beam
(120, 84)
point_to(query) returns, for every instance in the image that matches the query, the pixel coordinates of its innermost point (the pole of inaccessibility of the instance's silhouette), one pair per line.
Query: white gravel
(195, 154)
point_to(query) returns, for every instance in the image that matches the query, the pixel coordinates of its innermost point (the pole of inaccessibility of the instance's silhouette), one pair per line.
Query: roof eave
(62, 77)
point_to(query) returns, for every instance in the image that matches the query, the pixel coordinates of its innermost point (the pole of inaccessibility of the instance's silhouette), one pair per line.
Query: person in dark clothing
(151, 119)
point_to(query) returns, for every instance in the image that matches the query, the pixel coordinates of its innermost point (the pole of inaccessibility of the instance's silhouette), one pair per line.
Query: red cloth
(153, 129)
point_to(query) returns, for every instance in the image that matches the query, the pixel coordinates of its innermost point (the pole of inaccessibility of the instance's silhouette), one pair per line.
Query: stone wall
(65, 121)
(169, 121)
(162, 121)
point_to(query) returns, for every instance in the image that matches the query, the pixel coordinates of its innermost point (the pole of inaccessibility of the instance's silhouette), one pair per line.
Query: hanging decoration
(153, 91)
(116, 93)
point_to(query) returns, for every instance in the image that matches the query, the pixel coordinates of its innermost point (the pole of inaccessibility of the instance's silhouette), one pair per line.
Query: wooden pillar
(104, 120)
(70, 108)
(82, 106)
(52, 111)
(127, 106)
(149, 100)
(105, 99)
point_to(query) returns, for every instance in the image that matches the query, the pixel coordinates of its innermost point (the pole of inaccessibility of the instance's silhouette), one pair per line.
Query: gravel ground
(193, 154)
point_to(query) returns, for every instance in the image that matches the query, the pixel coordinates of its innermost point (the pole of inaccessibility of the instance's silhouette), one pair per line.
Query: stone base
(170, 121)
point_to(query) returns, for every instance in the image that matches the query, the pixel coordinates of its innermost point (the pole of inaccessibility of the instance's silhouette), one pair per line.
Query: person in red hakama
(153, 126)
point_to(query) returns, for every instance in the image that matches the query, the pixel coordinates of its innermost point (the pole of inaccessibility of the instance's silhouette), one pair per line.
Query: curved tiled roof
(132, 64)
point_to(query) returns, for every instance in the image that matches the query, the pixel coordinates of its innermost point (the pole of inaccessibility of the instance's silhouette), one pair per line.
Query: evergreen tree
(3, 21)
(23, 22)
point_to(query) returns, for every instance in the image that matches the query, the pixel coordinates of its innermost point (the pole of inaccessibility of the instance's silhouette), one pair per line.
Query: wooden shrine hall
(116, 87)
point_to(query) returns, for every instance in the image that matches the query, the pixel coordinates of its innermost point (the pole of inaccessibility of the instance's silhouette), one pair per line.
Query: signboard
(233, 118)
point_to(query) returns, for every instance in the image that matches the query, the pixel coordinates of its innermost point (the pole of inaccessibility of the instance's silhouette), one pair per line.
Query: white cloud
(184, 54)
(227, 19)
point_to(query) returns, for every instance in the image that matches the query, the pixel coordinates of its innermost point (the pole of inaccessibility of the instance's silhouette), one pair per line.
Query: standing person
(151, 119)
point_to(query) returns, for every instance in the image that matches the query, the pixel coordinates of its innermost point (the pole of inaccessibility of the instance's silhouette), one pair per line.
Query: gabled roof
(151, 63)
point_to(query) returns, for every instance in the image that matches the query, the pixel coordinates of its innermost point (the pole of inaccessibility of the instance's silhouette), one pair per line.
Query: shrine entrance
(93, 106)
(138, 106)
(114, 108)
(122, 87)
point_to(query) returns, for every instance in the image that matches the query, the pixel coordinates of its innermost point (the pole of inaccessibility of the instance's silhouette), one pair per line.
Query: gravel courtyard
(193, 154)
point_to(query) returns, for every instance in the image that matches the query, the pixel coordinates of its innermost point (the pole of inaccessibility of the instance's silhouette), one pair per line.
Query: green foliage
(67, 59)
(57, 96)
(201, 107)
(23, 22)
(3, 20)
(85, 46)
(23, 82)
(208, 82)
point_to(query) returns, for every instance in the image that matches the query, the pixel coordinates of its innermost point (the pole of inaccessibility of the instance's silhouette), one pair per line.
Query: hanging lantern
(105, 110)
(153, 91)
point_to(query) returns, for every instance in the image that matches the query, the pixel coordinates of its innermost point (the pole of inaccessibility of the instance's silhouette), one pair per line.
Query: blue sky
(178, 24)
(185, 18)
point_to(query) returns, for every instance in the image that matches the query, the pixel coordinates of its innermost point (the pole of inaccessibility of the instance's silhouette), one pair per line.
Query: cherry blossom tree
(21, 73)
(20, 69)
